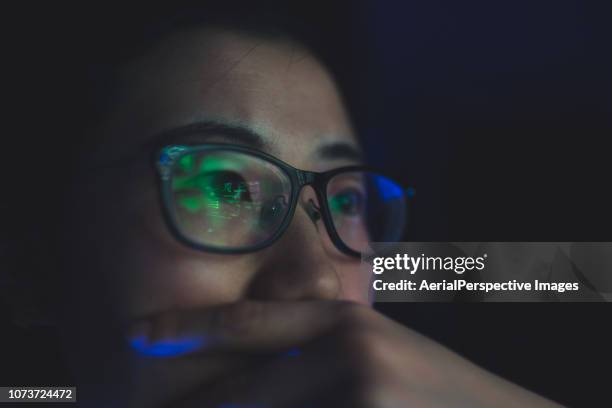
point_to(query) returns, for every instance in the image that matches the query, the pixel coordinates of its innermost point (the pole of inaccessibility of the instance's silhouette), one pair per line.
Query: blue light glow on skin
(167, 347)
(388, 189)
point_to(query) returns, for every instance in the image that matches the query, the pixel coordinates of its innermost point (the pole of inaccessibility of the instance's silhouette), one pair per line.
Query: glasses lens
(366, 207)
(228, 199)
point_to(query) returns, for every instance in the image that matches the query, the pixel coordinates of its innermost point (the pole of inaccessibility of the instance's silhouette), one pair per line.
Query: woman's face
(124, 261)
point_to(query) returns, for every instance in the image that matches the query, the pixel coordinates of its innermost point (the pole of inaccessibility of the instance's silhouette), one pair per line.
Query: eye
(210, 189)
(227, 185)
(347, 202)
(273, 209)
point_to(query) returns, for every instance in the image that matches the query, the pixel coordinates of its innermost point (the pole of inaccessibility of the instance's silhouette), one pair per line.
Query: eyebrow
(339, 151)
(203, 131)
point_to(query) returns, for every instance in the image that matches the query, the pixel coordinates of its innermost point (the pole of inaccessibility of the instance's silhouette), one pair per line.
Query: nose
(299, 266)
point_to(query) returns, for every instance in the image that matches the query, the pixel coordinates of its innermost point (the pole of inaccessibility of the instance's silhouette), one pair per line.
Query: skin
(245, 311)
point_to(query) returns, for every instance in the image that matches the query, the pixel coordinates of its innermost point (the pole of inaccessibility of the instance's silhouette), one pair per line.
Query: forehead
(273, 86)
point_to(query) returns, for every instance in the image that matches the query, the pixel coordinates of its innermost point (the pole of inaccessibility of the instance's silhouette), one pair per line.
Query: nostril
(313, 211)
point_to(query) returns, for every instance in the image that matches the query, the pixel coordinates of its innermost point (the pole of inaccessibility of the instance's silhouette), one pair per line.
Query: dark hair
(81, 52)
(104, 52)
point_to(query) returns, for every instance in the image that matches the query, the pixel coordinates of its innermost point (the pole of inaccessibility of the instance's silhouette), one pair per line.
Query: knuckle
(358, 335)
(354, 316)
(363, 344)
(365, 355)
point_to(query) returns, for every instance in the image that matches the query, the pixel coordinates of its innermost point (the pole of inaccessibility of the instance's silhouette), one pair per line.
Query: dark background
(499, 113)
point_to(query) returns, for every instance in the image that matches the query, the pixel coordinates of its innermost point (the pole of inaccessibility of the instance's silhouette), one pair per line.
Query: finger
(244, 326)
(288, 381)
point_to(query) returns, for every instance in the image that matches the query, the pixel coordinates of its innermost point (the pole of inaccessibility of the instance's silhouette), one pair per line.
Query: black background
(499, 113)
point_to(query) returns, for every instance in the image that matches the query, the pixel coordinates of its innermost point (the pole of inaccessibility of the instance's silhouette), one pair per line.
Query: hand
(350, 356)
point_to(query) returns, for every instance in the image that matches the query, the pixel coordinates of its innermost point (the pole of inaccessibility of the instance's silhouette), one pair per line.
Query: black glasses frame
(169, 155)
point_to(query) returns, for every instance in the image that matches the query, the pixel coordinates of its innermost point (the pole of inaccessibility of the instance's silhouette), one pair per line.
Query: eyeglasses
(232, 199)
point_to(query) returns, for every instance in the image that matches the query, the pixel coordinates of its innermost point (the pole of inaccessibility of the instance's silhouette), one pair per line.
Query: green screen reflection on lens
(227, 198)
(186, 163)
(213, 187)
(345, 203)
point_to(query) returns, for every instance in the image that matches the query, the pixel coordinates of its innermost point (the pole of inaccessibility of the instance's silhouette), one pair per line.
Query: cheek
(122, 250)
(160, 274)
(355, 283)
(181, 284)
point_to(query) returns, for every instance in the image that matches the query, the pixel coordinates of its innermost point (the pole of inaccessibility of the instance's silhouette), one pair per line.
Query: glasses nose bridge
(309, 178)
(312, 179)
(305, 178)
